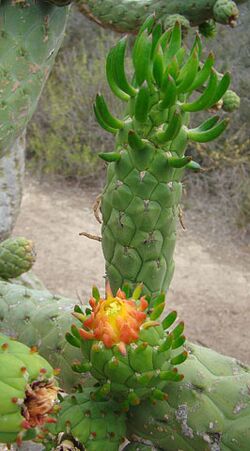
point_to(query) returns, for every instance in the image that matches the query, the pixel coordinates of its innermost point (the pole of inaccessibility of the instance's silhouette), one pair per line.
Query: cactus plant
(128, 15)
(17, 256)
(208, 410)
(140, 202)
(143, 180)
(204, 371)
(28, 391)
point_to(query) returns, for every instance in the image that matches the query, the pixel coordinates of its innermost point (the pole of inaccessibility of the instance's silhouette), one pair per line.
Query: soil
(211, 285)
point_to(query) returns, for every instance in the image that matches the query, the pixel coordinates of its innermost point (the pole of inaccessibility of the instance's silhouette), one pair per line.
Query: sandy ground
(211, 286)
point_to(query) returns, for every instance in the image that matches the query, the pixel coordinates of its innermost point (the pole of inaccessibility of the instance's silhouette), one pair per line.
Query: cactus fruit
(37, 318)
(208, 410)
(97, 425)
(17, 256)
(130, 353)
(140, 202)
(28, 391)
(31, 34)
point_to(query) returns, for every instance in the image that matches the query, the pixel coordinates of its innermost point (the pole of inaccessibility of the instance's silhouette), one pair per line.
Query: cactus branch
(128, 15)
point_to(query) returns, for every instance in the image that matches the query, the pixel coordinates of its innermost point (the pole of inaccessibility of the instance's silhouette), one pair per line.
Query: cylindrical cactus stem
(31, 34)
(11, 186)
(208, 410)
(128, 15)
(140, 202)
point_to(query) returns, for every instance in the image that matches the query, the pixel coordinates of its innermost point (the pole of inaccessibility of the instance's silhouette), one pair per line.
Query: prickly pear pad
(126, 349)
(27, 391)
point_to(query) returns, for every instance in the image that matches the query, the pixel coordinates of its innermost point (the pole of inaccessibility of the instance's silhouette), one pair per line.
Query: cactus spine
(141, 198)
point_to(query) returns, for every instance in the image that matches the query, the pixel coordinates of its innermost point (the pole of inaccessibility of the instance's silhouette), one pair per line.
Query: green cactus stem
(11, 186)
(31, 34)
(208, 410)
(37, 318)
(28, 391)
(128, 15)
(17, 256)
(140, 202)
(97, 425)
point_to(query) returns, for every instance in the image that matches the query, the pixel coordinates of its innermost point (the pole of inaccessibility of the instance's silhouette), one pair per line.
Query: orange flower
(115, 320)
